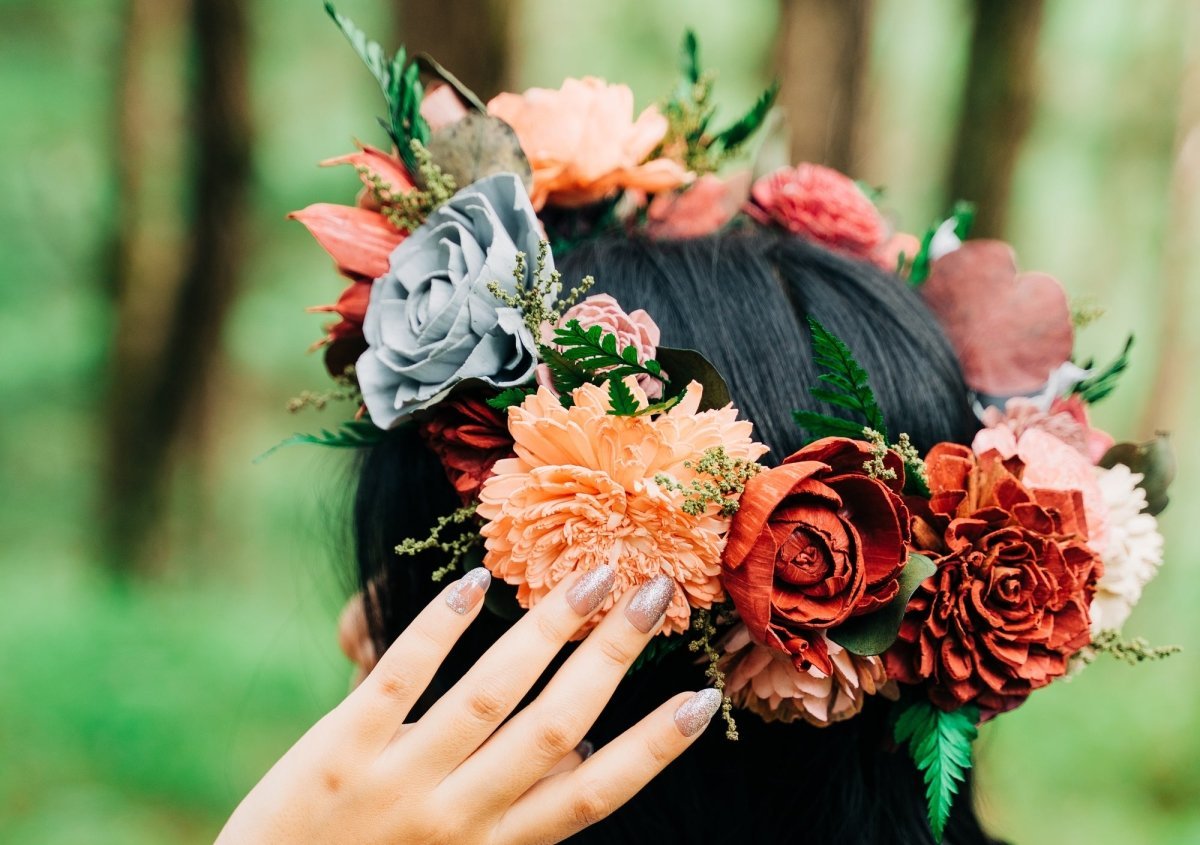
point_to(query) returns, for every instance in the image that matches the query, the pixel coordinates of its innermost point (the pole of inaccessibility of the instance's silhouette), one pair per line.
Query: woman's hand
(461, 773)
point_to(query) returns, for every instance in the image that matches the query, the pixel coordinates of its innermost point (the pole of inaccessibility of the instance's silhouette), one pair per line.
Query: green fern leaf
(352, 434)
(729, 139)
(565, 374)
(509, 397)
(1097, 387)
(595, 351)
(844, 384)
(940, 744)
(621, 401)
(655, 650)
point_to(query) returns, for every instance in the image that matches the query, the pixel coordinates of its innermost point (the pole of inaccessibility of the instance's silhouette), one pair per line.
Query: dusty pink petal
(1051, 464)
(887, 254)
(698, 210)
(1096, 441)
(1010, 329)
(442, 106)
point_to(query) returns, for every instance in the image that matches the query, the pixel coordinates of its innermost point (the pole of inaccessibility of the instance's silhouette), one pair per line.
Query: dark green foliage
(566, 374)
(400, 81)
(844, 383)
(732, 137)
(684, 366)
(509, 397)
(874, 633)
(940, 745)
(621, 401)
(963, 215)
(1094, 388)
(352, 434)
(594, 349)
(655, 650)
(689, 57)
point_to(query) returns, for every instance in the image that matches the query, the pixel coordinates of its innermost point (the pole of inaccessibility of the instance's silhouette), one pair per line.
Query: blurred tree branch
(997, 107)
(821, 62)
(470, 38)
(161, 367)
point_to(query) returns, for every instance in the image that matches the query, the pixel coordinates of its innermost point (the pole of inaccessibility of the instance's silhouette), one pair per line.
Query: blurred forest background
(167, 607)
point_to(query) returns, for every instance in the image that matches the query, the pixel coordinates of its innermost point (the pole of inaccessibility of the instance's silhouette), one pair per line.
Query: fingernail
(650, 603)
(468, 590)
(695, 713)
(589, 591)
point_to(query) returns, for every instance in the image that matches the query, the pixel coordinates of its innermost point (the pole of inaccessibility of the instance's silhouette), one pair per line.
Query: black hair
(741, 298)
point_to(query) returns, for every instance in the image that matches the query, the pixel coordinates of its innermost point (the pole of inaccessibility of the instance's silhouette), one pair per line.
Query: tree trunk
(820, 60)
(160, 376)
(997, 107)
(470, 38)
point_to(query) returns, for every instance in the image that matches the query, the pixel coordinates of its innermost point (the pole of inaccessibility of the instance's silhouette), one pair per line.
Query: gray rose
(431, 321)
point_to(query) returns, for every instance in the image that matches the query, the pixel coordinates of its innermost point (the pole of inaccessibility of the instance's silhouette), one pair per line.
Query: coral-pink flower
(584, 144)
(584, 490)
(699, 209)
(767, 682)
(1067, 420)
(821, 204)
(637, 329)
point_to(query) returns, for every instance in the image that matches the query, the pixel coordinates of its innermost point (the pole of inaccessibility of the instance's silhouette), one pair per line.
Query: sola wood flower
(1008, 606)
(582, 492)
(1067, 419)
(359, 238)
(766, 682)
(1134, 550)
(583, 143)
(816, 541)
(699, 209)
(636, 329)
(1011, 330)
(820, 204)
(468, 436)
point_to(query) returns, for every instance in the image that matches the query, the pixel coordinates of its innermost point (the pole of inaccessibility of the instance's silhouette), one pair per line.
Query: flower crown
(953, 583)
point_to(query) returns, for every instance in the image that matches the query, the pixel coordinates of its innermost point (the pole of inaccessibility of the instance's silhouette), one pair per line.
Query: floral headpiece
(954, 583)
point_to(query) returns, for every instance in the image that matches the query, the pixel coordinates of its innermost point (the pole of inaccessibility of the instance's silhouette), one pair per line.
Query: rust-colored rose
(469, 436)
(1008, 606)
(815, 541)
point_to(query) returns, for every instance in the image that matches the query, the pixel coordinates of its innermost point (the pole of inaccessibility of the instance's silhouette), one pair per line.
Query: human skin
(465, 772)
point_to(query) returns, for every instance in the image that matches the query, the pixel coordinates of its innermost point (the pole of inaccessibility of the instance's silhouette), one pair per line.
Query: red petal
(763, 494)
(386, 168)
(359, 240)
(351, 305)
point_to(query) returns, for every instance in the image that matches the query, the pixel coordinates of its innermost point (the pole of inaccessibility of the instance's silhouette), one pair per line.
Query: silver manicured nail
(695, 713)
(650, 603)
(468, 590)
(589, 592)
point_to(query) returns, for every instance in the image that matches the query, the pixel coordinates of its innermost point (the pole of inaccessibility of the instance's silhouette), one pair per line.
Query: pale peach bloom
(698, 210)
(766, 682)
(583, 143)
(581, 492)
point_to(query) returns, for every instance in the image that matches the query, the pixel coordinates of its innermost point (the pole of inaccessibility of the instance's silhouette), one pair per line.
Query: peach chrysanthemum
(765, 681)
(581, 492)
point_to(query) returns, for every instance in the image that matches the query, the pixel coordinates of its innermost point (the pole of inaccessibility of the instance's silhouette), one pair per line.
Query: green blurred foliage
(143, 713)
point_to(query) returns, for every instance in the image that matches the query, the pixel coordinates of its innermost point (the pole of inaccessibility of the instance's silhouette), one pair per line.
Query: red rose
(1008, 606)
(469, 436)
(821, 204)
(814, 542)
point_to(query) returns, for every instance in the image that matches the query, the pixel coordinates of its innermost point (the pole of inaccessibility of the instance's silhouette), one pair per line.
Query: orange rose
(583, 143)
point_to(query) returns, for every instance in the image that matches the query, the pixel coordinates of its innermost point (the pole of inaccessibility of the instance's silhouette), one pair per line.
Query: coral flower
(584, 490)
(584, 144)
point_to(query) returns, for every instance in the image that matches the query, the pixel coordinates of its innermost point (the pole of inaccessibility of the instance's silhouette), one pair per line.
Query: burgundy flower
(469, 436)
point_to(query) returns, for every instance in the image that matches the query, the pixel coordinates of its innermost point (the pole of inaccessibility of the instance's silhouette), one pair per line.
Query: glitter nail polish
(695, 713)
(650, 603)
(589, 592)
(468, 590)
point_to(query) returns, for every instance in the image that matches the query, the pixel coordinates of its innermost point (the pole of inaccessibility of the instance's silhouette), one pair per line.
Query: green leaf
(1154, 460)
(655, 650)
(594, 350)
(509, 397)
(875, 632)
(687, 365)
(848, 387)
(352, 434)
(689, 57)
(563, 372)
(963, 215)
(620, 399)
(1094, 388)
(735, 135)
(400, 82)
(940, 744)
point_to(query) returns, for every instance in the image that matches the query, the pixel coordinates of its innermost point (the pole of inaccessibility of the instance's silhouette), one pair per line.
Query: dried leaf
(479, 145)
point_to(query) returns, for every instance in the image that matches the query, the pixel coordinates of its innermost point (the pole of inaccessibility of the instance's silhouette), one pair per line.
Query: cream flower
(1133, 552)
(581, 492)
(583, 143)
(766, 682)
